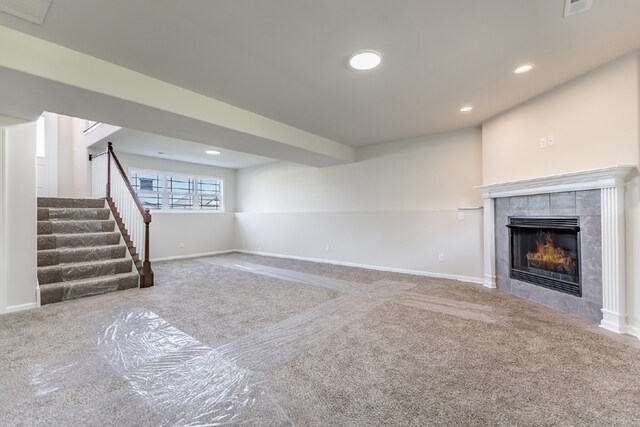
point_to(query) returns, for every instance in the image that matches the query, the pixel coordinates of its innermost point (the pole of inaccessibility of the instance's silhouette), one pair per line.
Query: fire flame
(550, 256)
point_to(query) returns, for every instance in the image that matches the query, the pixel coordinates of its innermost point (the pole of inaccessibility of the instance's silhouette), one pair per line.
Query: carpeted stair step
(57, 202)
(61, 291)
(83, 270)
(80, 254)
(69, 214)
(80, 251)
(57, 241)
(75, 227)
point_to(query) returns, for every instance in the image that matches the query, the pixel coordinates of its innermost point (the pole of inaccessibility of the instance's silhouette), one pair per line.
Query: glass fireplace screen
(546, 252)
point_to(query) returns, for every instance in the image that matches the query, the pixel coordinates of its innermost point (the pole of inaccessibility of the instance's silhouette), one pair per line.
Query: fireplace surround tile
(518, 205)
(503, 268)
(591, 240)
(538, 205)
(562, 204)
(506, 286)
(588, 202)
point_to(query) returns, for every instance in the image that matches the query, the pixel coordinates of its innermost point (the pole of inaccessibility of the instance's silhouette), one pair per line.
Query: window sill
(172, 211)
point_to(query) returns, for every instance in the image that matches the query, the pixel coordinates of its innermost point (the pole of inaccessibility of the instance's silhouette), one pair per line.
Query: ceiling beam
(36, 75)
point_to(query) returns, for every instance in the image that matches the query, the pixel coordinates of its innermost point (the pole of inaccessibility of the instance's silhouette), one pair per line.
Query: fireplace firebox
(545, 251)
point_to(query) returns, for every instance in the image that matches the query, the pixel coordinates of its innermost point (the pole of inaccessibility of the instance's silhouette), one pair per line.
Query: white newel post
(489, 242)
(614, 301)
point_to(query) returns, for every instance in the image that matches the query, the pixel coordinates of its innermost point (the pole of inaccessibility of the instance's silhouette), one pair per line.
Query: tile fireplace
(574, 258)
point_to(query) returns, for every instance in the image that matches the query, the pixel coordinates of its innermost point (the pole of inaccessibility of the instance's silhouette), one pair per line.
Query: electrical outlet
(182, 244)
(441, 258)
(460, 216)
(543, 142)
(550, 140)
(327, 247)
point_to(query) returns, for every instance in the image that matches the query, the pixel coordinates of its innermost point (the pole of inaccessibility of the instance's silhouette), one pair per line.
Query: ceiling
(146, 144)
(286, 59)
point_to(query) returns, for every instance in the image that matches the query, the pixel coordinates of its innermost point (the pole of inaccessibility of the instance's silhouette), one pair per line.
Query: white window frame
(165, 194)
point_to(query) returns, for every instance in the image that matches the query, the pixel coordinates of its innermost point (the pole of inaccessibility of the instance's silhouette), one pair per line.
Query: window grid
(179, 192)
(148, 188)
(209, 194)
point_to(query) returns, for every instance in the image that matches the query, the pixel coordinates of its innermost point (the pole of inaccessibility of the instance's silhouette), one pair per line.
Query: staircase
(79, 250)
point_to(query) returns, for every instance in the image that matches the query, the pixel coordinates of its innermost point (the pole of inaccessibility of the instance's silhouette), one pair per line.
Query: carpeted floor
(240, 339)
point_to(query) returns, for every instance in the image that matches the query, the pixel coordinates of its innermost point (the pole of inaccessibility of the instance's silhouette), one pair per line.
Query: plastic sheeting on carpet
(382, 291)
(185, 382)
(190, 382)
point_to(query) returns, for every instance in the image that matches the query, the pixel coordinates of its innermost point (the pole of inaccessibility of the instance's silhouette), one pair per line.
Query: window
(209, 194)
(148, 187)
(161, 190)
(180, 190)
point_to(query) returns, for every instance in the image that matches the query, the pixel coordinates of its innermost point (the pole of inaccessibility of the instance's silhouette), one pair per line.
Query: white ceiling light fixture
(213, 152)
(524, 69)
(365, 60)
(466, 109)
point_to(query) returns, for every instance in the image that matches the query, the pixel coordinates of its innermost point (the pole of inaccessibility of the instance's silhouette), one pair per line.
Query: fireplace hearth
(545, 251)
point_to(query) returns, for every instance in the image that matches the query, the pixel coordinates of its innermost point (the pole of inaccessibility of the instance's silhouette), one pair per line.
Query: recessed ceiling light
(214, 152)
(365, 60)
(466, 109)
(524, 69)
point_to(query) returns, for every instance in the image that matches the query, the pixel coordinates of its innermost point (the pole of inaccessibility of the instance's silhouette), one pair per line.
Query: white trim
(489, 254)
(21, 307)
(3, 238)
(467, 279)
(92, 127)
(200, 255)
(614, 284)
(633, 331)
(178, 211)
(613, 176)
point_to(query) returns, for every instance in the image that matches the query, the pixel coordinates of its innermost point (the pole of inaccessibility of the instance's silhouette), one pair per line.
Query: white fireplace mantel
(611, 183)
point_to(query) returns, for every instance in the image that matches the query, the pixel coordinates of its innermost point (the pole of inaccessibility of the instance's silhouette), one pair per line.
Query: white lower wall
(394, 240)
(395, 208)
(176, 234)
(199, 234)
(19, 168)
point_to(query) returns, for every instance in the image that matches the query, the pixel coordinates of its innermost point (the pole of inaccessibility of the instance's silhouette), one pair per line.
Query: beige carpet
(241, 339)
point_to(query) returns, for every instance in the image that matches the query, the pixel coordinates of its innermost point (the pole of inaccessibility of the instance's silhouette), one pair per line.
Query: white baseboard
(38, 294)
(633, 331)
(468, 279)
(200, 255)
(21, 307)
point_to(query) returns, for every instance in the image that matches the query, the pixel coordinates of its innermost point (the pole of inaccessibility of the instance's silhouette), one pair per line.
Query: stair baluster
(111, 182)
